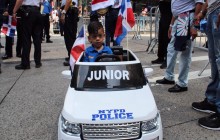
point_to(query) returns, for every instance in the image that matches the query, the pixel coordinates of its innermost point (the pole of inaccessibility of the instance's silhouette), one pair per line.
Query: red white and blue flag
(100, 4)
(9, 27)
(78, 48)
(125, 21)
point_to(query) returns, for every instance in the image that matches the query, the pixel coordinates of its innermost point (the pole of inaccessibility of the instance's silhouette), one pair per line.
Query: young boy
(96, 38)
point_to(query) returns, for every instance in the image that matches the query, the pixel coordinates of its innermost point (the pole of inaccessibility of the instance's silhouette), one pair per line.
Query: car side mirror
(67, 74)
(148, 71)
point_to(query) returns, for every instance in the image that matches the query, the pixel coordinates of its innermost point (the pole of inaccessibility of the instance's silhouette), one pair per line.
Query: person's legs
(160, 55)
(108, 29)
(208, 104)
(70, 30)
(114, 22)
(27, 22)
(213, 89)
(43, 27)
(0, 37)
(8, 46)
(163, 41)
(19, 39)
(1, 21)
(184, 65)
(36, 34)
(171, 61)
(47, 28)
(69, 35)
(166, 16)
(0, 41)
(171, 56)
(212, 100)
(61, 28)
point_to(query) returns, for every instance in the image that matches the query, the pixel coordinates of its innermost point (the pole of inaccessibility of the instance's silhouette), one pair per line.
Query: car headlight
(151, 125)
(72, 129)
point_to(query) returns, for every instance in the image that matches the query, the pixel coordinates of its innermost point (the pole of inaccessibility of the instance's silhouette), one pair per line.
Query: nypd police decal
(112, 114)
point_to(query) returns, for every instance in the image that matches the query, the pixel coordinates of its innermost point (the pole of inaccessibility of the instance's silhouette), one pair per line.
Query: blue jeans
(184, 60)
(213, 35)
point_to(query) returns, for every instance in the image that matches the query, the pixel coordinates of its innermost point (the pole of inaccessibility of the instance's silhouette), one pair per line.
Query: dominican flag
(78, 48)
(9, 27)
(125, 21)
(100, 4)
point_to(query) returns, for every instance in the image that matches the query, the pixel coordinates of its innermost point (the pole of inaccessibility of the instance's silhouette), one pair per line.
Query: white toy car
(110, 101)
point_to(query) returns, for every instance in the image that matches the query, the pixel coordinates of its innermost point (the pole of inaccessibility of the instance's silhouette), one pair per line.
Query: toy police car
(110, 100)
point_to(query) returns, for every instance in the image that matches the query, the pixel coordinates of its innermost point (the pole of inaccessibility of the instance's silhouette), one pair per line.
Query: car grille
(111, 131)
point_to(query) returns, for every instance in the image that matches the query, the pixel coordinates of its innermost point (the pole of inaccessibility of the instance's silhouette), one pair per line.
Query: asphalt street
(31, 100)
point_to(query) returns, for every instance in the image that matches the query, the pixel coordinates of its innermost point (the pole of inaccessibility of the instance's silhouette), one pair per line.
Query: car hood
(109, 106)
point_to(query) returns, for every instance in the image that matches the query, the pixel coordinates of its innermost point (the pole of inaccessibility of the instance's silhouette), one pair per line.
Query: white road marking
(194, 59)
(199, 58)
(192, 75)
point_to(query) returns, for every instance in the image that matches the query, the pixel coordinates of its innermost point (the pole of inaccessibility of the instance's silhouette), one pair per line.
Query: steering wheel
(107, 58)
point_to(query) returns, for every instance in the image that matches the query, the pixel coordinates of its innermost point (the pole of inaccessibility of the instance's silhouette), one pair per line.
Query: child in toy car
(96, 38)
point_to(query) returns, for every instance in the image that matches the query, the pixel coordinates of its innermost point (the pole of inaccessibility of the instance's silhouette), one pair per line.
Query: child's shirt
(91, 54)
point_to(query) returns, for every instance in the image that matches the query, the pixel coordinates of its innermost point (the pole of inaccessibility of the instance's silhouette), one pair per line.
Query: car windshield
(112, 77)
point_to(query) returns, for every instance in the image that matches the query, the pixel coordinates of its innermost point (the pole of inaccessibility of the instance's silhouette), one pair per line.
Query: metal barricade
(144, 24)
(202, 46)
(154, 21)
(136, 28)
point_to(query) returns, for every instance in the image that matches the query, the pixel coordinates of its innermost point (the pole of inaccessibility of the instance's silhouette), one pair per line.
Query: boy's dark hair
(94, 26)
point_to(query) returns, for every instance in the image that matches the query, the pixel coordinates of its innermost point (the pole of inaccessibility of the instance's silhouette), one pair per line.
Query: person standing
(69, 18)
(163, 39)
(211, 103)
(110, 22)
(60, 23)
(31, 27)
(9, 40)
(46, 20)
(183, 14)
(19, 34)
(2, 9)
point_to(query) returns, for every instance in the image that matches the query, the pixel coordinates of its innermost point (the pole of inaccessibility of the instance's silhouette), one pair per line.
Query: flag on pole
(9, 27)
(78, 48)
(125, 21)
(100, 4)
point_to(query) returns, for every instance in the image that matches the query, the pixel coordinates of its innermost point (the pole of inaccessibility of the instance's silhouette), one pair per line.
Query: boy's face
(97, 39)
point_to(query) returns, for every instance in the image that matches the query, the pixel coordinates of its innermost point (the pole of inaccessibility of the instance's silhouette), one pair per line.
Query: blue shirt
(91, 54)
(47, 7)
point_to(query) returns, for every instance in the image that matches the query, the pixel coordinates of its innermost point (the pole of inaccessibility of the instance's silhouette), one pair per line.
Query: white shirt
(181, 6)
(32, 2)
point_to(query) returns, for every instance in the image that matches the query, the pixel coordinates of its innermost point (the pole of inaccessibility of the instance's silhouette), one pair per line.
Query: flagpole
(84, 34)
(126, 22)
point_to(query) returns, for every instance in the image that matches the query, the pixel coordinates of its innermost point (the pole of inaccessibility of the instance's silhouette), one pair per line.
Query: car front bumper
(155, 135)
